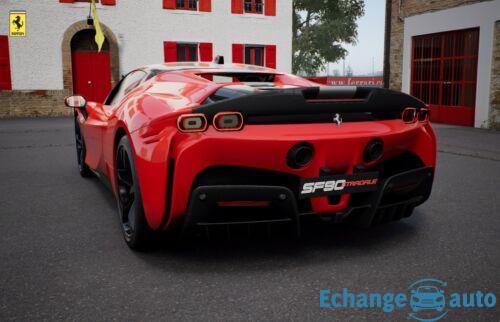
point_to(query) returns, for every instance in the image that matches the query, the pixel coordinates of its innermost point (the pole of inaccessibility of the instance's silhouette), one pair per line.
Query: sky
(370, 45)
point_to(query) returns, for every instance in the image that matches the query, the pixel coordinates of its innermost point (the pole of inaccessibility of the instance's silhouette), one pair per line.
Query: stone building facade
(494, 119)
(434, 24)
(40, 68)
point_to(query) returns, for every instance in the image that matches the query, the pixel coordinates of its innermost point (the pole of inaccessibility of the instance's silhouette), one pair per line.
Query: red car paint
(148, 115)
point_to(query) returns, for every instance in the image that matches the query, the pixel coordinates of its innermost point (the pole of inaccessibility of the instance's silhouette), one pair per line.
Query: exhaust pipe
(300, 155)
(373, 151)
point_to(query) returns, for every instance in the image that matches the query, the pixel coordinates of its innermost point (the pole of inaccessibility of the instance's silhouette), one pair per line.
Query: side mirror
(75, 101)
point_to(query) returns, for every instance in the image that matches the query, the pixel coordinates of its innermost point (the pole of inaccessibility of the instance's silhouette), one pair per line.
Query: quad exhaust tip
(300, 155)
(373, 151)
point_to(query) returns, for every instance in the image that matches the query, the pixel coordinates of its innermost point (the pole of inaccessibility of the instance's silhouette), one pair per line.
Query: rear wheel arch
(120, 132)
(136, 231)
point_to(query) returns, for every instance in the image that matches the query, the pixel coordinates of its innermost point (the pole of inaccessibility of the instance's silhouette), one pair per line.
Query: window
(193, 5)
(131, 81)
(103, 2)
(187, 52)
(228, 92)
(254, 55)
(253, 6)
(239, 77)
(186, 4)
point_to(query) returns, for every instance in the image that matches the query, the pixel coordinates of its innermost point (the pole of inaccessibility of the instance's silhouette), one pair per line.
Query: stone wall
(33, 103)
(495, 81)
(409, 8)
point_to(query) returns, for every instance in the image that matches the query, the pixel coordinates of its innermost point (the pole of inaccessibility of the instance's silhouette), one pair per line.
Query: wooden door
(91, 75)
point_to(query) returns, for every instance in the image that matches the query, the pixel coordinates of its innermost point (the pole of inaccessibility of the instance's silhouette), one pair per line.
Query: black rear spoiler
(311, 104)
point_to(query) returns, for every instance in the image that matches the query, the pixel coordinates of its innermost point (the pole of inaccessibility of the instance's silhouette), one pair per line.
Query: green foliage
(320, 28)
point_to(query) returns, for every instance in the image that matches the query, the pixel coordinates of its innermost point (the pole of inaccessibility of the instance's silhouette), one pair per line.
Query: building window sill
(253, 15)
(186, 12)
(86, 5)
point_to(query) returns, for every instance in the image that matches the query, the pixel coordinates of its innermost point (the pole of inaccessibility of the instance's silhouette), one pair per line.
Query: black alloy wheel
(81, 152)
(136, 230)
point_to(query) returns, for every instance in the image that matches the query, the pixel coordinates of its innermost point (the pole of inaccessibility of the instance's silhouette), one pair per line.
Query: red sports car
(199, 144)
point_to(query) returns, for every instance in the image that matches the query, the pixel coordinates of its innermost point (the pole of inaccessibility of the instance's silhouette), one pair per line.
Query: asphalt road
(62, 256)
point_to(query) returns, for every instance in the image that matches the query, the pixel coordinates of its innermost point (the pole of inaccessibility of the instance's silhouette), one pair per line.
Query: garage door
(444, 72)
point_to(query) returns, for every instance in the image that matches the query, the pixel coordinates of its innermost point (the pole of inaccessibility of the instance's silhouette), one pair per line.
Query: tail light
(228, 121)
(190, 123)
(424, 114)
(409, 115)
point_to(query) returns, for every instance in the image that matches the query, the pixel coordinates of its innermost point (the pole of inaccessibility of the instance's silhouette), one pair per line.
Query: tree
(320, 28)
(349, 72)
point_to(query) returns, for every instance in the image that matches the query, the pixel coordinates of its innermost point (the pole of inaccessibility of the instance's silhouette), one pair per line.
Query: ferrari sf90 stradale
(199, 144)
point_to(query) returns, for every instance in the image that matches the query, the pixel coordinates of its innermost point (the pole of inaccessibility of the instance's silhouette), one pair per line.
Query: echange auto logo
(426, 300)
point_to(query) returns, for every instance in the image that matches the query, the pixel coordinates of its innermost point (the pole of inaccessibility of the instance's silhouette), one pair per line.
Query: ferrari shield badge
(17, 23)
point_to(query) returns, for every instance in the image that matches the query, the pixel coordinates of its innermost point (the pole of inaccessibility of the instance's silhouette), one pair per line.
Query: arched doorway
(91, 70)
(70, 37)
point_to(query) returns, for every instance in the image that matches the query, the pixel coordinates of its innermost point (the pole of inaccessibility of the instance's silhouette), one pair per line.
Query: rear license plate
(338, 184)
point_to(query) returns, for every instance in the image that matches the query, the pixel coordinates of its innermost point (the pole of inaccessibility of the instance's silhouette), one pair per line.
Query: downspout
(387, 42)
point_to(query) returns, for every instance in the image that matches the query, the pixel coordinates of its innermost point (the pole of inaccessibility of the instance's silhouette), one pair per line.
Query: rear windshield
(239, 77)
(228, 92)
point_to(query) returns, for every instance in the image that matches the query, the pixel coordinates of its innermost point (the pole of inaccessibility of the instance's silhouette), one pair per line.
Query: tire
(81, 152)
(135, 229)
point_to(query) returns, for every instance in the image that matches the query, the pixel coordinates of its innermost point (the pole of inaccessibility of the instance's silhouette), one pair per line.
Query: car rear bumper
(173, 166)
(250, 148)
(241, 204)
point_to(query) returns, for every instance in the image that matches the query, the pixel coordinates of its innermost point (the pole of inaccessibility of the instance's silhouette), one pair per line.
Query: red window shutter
(271, 56)
(237, 6)
(170, 51)
(206, 51)
(66, 1)
(168, 4)
(5, 81)
(270, 7)
(238, 53)
(206, 5)
(108, 2)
